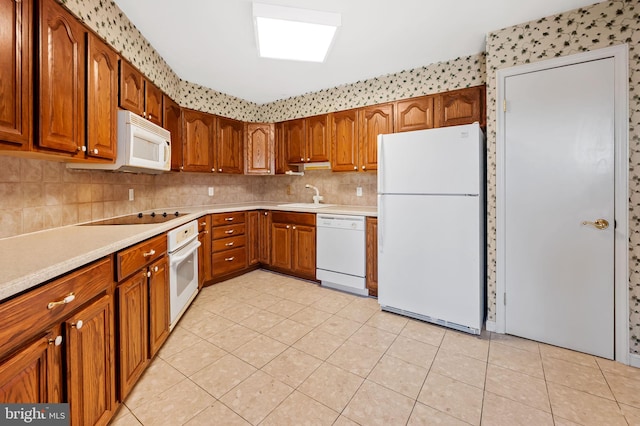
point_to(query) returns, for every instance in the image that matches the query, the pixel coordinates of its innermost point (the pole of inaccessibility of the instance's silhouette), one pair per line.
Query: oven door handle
(188, 250)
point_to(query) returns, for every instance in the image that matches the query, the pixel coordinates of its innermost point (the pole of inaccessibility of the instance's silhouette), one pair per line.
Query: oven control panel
(182, 235)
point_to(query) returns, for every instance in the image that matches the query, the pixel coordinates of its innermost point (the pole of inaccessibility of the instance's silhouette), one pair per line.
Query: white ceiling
(212, 43)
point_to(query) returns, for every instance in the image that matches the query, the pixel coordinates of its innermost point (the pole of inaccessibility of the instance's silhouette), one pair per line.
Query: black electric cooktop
(139, 219)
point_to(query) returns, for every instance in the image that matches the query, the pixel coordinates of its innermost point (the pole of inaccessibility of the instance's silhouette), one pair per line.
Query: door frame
(621, 185)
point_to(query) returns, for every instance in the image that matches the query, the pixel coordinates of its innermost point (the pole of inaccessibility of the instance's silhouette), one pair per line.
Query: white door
(559, 174)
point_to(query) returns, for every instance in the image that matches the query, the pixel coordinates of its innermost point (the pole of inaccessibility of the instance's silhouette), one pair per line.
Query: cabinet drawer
(229, 243)
(26, 315)
(297, 218)
(229, 261)
(227, 231)
(218, 219)
(135, 257)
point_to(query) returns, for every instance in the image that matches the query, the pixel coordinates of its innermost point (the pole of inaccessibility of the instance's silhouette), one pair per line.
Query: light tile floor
(268, 349)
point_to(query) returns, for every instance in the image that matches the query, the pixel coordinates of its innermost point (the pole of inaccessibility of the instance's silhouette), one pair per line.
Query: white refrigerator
(431, 233)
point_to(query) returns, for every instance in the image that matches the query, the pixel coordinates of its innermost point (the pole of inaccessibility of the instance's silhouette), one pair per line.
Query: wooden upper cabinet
(229, 146)
(173, 123)
(61, 83)
(153, 103)
(414, 114)
(259, 149)
(102, 99)
(279, 149)
(317, 135)
(16, 75)
(374, 120)
(344, 141)
(463, 106)
(294, 140)
(199, 134)
(131, 88)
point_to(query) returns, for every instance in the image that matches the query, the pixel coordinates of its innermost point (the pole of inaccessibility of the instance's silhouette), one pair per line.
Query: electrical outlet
(131, 194)
(210, 191)
(359, 191)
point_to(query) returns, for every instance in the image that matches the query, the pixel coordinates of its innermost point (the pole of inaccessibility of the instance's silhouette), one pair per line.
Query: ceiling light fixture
(295, 34)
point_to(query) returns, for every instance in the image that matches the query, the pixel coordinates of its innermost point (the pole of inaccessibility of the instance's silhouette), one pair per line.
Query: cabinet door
(344, 141)
(304, 250)
(281, 246)
(62, 83)
(199, 133)
(204, 251)
(230, 137)
(153, 103)
(279, 149)
(173, 123)
(159, 315)
(259, 149)
(264, 237)
(317, 133)
(463, 106)
(372, 256)
(102, 99)
(294, 141)
(33, 373)
(374, 120)
(16, 75)
(133, 330)
(131, 86)
(414, 114)
(253, 237)
(90, 363)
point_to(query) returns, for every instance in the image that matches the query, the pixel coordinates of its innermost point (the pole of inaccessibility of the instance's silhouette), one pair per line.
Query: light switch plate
(359, 191)
(131, 194)
(210, 191)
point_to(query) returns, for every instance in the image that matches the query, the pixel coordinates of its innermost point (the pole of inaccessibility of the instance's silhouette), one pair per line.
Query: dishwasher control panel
(340, 221)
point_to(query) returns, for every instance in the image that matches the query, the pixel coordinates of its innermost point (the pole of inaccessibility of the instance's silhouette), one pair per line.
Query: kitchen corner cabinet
(16, 75)
(462, 106)
(139, 95)
(57, 344)
(198, 137)
(143, 293)
(61, 82)
(204, 251)
(259, 149)
(172, 121)
(414, 114)
(293, 243)
(102, 99)
(372, 255)
(373, 121)
(344, 141)
(229, 146)
(264, 237)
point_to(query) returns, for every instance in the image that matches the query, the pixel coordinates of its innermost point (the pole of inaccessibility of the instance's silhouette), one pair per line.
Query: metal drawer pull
(57, 341)
(230, 231)
(70, 298)
(77, 325)
(203, 223)
(228, 219)
(149, 253)
(229, 259)
(229, 244)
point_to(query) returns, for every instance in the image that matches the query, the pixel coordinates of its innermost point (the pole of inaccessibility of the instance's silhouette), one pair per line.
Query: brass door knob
(599, 223)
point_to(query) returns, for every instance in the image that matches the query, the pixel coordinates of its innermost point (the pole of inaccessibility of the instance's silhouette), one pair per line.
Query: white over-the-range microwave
(143, 147)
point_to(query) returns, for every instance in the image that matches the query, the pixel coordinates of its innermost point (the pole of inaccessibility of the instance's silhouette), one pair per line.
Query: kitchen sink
(306, 205)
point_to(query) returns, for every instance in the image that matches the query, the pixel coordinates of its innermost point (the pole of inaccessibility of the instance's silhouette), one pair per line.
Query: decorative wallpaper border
(600, 25)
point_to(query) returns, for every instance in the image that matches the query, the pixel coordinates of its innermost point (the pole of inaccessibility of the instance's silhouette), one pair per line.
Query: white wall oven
(182, 244)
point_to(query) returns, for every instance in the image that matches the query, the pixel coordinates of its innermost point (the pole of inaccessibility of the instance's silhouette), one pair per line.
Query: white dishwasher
(340, 252)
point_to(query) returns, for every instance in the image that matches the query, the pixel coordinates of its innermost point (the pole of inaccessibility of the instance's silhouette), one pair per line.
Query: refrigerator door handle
(380, 224)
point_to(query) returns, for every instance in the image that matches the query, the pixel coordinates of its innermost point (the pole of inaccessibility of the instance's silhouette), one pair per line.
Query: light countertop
(31, 259)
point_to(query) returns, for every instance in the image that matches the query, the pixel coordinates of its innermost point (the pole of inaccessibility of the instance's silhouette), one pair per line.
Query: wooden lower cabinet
(264, 237)
(90, 364)
(159, 311)
(228, 245)
(204, 251)
(372, 255)
(293, 243)
(253, 238)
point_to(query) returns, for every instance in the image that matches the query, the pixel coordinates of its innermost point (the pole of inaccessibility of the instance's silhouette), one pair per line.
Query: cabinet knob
(269, 171)
(355, 167)
(308, 159)
(206, 232)
(301, 159)
(149, 253)
(294, 227)
(78, 325)
(150, 117)
(57, 341)
(220, 170)
(68, 299)
(155, 269)
(364, 167)
(266, 213)
(288, 226)
(82, 148)
(203, 223)
(148, 274)
(213, 170)
(95, 150)
(181, 168)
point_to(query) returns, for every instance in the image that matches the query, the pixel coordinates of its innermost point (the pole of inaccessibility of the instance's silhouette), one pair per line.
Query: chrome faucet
(316, 198)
